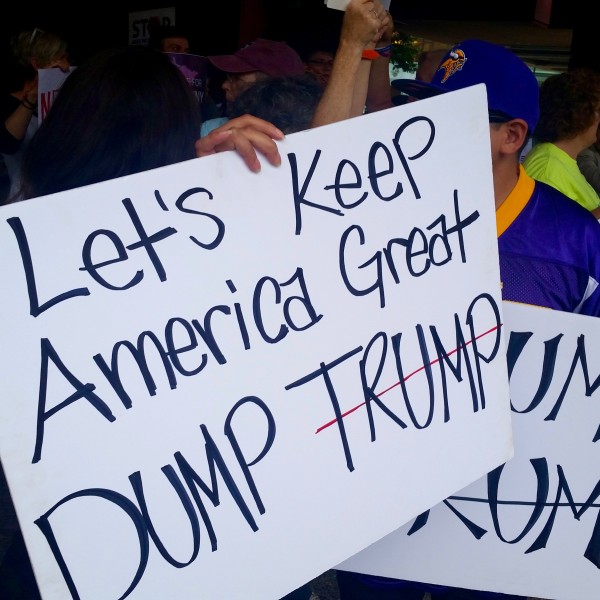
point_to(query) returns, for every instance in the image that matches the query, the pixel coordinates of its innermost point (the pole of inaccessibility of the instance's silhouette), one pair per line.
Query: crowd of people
(547, 205)
(31, 50)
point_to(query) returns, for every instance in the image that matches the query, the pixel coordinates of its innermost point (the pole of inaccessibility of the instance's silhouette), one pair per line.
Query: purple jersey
(549, 249)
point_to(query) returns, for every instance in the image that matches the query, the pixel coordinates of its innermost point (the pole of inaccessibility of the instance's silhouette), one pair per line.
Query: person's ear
(514, 135)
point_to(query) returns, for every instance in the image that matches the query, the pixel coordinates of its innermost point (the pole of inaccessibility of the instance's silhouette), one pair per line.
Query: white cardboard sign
(205, 371)
(531, 528)
(141, 23)
(49, 83)
(341, 4)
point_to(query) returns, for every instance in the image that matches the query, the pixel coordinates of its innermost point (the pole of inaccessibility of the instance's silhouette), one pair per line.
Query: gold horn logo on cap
(453, 63)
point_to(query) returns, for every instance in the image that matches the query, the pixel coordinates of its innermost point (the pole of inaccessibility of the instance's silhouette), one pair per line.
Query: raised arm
(17, 122)
(345, 93)
(379, 92)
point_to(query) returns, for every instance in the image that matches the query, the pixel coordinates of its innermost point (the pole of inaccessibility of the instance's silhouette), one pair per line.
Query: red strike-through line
(348, 412)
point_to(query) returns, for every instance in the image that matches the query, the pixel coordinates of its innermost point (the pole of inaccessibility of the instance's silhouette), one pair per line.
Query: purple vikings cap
(512, 88)
(276, 59)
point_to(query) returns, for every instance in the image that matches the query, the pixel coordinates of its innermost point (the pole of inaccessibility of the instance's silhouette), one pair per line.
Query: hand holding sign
(247, 135)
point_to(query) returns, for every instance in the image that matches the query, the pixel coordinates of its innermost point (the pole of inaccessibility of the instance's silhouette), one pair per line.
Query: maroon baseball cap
(276, 59)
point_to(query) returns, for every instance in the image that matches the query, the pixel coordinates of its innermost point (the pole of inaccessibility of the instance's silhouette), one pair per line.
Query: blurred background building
(548, 34)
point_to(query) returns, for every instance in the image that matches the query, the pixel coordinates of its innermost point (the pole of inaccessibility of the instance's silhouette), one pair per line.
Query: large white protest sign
(531, 527)
(205, 371)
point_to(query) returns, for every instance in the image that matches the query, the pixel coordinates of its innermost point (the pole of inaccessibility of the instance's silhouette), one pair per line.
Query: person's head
(40, 49)
(319, 64)
(169, 38)
(569, 106)
(428, 62)
(176, 44)
(512, 89)
(317, 48)
(287, 102)
(122, 111)
(255, 62)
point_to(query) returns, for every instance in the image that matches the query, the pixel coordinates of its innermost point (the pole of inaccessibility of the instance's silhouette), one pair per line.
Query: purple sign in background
(194, 68)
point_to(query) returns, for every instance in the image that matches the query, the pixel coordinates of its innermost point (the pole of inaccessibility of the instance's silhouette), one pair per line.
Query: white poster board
(532, 528)
(205, 371)
(49, 83)
(341, 4)
(141, 23)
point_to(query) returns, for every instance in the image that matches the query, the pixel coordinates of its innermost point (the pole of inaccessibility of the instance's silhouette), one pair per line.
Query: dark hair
(287, 102)
(26, 48)
(569, 102)
(37, 45)
(319, 40)
(123, 111)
